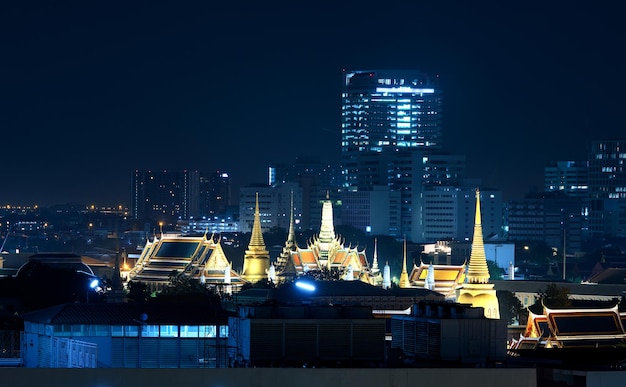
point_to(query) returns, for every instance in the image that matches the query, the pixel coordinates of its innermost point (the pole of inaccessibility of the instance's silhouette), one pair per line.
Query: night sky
(90, 91)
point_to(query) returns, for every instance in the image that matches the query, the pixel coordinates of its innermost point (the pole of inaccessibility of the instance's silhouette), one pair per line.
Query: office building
(315, 180)
(215, 195)
(570, 177)
(607, 188)
(274, 206)
(382, 112)
(164, 197)
(447, 213)
(551, 217)
(375, 212)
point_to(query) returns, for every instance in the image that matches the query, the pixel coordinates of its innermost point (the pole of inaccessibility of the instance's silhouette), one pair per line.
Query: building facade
(164, 197)
(275, 205)
(570, 177)
(375, 212)
(384, 111)
(447, 213)
(607, 188)
(552, 217)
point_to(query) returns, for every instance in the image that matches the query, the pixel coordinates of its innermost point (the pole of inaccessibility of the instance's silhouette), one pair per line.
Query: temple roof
(194, 256)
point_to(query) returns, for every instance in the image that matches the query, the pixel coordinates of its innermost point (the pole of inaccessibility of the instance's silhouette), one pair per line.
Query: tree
(495, 271)
(325, 274)
(137, 291)
(510, 306)
(185, 288)
(555, 296)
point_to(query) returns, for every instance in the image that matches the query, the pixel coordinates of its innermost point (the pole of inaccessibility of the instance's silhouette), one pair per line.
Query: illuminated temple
(198, 258)
(325, 250)
(477, 291)
(444, 279)
(256, 261)
(572, 328)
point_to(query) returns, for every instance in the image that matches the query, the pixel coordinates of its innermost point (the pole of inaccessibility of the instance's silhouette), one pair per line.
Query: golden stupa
(477, 291)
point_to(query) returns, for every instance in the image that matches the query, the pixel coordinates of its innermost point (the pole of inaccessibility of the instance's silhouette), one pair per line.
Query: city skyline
(92, 92)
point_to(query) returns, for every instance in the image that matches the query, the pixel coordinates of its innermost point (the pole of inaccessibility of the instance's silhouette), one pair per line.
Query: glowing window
(150, 331)
(168, 330)
(208, 331)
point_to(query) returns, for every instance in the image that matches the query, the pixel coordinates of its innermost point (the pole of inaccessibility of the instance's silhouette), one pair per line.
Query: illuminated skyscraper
(391, 138)
(384, 112)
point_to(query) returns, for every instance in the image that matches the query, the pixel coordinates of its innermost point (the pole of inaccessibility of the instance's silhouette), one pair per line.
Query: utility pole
(564, 255)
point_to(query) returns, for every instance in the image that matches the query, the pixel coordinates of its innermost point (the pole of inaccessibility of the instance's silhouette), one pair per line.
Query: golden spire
(375, 268)
(291, 237)
(404, 276)
(327, 228)
(256, 261)
(478, 272)
(478, 291)
(256, 240)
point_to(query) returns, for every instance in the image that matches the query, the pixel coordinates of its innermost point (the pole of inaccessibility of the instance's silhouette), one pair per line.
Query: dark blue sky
(90, 91)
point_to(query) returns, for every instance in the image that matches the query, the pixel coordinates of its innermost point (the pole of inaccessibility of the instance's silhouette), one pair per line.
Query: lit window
(208, 331)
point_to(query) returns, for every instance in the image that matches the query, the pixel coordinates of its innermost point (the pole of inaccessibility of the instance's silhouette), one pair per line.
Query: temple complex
(324, 251)
(477, 290)
(199, 258)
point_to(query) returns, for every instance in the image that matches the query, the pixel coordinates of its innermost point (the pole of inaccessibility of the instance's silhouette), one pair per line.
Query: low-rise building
(126, 335)
(449, 332)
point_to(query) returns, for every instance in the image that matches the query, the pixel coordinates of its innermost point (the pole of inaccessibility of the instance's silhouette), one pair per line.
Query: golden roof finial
(256, 240)
(477, 271)
(404, 276)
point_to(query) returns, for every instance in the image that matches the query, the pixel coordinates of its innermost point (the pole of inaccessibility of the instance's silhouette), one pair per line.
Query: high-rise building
(607, 188)
(391, 130)
(375, 212)
(315, 180)
(383, 112)
(219, 194)
(447, 213)
(274, 205)
(570, 177)
(552, 217)
(164, 196)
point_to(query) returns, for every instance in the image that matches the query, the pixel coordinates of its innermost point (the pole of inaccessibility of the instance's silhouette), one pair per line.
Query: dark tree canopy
(555, 296)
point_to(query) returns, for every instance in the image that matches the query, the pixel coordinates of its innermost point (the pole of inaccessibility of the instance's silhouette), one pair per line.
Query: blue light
(94, 283)
(305, 286)
(404, 89)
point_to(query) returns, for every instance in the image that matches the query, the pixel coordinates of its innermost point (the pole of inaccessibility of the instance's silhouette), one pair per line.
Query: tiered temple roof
(573, 328)
(325, 250)
(197, 257)
(444, 279)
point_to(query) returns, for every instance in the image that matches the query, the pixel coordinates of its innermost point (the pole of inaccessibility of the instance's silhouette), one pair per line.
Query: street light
(94, 283)
(305, 286)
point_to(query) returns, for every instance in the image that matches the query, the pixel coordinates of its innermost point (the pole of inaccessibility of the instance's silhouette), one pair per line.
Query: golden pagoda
(404, 275)
(256, 262)
(283, 264)
(376, 277)
(324, 251)
(477, 291)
